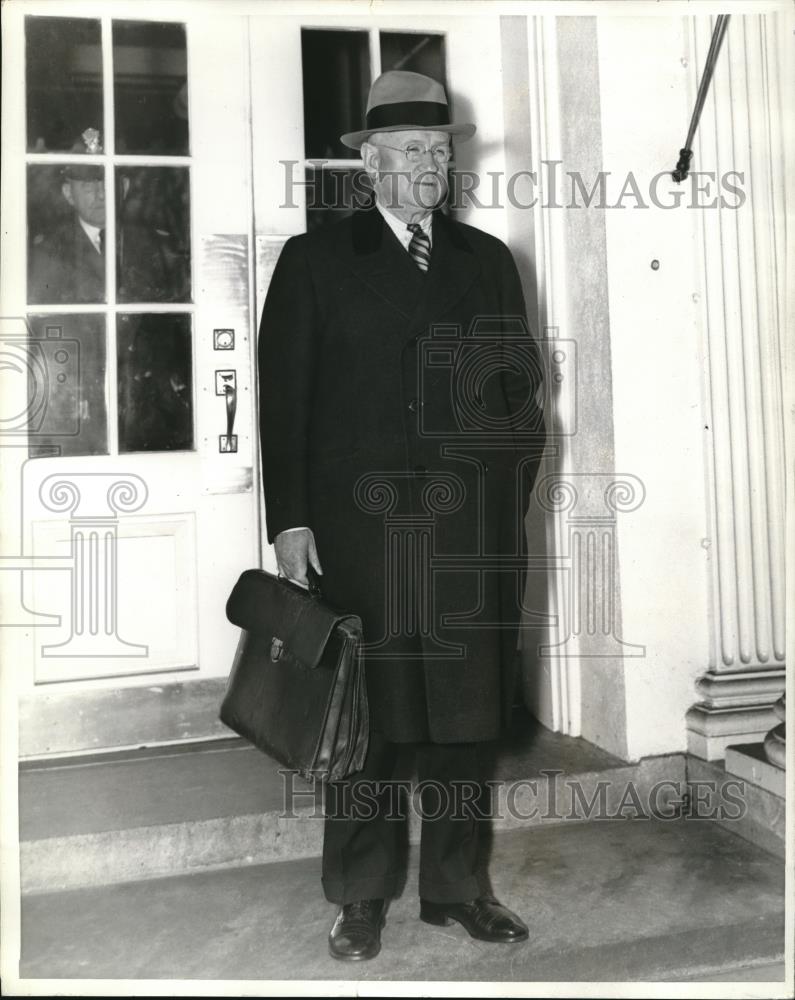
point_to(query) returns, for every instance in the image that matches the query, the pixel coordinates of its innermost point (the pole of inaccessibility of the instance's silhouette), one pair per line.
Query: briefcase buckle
(277, 647)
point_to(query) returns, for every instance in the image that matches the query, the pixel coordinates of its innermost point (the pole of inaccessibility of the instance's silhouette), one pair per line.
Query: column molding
(743, 281)
(581, 665)
(550, 257)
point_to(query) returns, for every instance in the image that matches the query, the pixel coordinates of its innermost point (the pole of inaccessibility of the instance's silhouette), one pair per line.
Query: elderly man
(400, 439)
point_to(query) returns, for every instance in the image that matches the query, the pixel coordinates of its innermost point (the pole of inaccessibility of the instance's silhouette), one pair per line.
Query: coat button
(414, 405)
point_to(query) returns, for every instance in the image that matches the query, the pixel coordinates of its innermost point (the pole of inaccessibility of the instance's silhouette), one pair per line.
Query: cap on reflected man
(89, 142)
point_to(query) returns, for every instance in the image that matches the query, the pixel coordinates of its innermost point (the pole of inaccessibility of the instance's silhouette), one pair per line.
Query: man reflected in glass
(68, 263)
(67, 260)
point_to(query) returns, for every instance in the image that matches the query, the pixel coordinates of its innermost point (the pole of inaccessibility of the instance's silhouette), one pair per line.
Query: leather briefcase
(297, 689)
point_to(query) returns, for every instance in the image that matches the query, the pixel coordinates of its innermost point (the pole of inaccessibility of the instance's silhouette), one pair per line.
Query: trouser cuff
(450, 892)
(351, 891)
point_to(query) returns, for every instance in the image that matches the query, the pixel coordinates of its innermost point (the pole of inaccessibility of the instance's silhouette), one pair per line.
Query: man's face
(88, 199)
(407, 187)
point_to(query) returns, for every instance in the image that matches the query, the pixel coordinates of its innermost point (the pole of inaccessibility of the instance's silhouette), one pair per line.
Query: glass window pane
(333, 193)
(66, 385)
(63, 60)
(66, 220)
(155, 382)
(153, 234)
(150, 85)
(413, 51)
(336, 73)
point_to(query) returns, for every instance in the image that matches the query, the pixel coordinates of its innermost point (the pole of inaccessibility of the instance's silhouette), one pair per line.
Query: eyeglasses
(415, 151)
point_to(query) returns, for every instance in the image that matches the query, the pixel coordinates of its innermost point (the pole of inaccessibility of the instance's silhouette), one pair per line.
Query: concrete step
(621, 900)
(149, 813)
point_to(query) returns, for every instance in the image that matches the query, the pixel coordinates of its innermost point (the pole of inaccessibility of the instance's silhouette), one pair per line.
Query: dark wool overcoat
(399, 420)
(65, 266)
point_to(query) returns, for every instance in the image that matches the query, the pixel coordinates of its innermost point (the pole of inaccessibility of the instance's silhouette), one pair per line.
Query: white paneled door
(128, 455)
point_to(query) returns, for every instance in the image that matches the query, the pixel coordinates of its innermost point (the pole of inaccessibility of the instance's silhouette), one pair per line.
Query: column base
(776, 739)
(776, 748)
(734, 707)
(710, 730)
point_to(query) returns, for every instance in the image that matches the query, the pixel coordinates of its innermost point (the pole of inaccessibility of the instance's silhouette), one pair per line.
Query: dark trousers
(363, 825)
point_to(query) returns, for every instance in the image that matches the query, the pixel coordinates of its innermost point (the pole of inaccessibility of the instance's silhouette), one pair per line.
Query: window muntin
(85, 187)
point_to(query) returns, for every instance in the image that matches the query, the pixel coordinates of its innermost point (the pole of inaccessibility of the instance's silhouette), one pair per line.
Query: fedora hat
(401, 100)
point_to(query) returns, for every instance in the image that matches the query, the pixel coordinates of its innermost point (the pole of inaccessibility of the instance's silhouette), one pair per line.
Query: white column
(743, 279)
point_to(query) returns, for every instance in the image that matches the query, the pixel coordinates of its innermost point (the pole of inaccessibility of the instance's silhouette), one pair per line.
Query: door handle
(231, 408)
(228, 442)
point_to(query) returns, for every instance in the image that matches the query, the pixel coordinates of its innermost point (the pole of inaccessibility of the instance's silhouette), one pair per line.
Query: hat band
(419, 113)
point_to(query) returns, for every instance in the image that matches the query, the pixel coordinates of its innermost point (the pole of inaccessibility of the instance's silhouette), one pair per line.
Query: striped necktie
(420, 246)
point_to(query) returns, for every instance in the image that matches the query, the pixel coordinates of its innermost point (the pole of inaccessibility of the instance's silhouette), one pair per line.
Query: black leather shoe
(484, 918)
(356, 933)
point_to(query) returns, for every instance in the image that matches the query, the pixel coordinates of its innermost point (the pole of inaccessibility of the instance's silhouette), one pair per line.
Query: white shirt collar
(92, 232)
(399, 228)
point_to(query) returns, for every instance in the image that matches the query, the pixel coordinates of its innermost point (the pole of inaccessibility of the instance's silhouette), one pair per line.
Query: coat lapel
(85, 255)
(385, 267)
(382, 264)
(454, 267)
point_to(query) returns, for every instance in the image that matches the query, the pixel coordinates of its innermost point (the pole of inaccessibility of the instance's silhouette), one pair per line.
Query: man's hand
(294, 551)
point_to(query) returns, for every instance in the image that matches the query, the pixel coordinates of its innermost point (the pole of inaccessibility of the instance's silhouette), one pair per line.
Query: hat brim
(354, 140)
(81, 172)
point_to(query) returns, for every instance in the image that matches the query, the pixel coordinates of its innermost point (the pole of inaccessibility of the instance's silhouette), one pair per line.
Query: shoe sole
(354, 958)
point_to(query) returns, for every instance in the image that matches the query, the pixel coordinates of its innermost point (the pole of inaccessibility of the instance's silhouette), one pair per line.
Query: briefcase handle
(312, 578)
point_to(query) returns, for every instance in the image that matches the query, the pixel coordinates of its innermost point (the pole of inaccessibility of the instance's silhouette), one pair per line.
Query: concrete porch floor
(612, 900)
